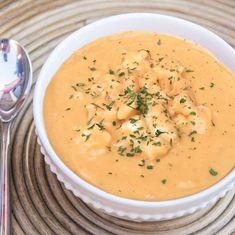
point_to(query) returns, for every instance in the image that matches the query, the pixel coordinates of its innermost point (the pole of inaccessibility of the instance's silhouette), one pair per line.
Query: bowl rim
(39, 122)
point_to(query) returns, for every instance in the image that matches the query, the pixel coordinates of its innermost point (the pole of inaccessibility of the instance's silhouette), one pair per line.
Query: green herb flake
(132, 120)
(213, 172)
(114, 123)
(150, 167)
(90, 79)
(182, 100)
(92, 68)
(158, 132)
(130, 154)
(159, 42)
(189, 71)
(192, 133)
(111, 72)
(71, 97)
(212, 85)
(80, 84)
(84, 57)
(193, 113)
(157, 143)
(137, 149)
(141, 163)
(86, 136)
(164, 181)
(100, 124)
(121, 74)
(110, 106)
(193, 123)
(171, 142)
(202, 88)
(67, 109)
(91, 127)
(75, 88)
(121, 150)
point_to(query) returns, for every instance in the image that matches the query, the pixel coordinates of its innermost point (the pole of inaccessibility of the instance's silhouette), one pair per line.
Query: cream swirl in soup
(143, 116)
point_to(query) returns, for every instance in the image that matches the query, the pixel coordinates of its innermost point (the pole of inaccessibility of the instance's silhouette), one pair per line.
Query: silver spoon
(15, 83)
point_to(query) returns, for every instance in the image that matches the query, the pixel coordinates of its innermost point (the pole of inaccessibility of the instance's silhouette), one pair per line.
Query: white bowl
(114, 205)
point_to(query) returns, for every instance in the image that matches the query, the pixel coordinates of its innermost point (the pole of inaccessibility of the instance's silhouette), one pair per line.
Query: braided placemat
(41, 205)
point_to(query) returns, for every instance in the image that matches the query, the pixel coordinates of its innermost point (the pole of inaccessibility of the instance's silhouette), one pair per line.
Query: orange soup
(143, 116)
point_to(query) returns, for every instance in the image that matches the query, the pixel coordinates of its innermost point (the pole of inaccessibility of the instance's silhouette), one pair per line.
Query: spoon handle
(5, 208)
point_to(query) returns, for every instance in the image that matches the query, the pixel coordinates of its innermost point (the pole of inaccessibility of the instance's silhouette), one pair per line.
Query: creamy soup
(143, 116)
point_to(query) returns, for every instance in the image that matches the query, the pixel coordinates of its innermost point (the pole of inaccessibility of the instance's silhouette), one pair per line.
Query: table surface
(41, 204)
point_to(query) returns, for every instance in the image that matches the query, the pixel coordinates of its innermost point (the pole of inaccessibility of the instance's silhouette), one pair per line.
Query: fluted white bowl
(111, 204)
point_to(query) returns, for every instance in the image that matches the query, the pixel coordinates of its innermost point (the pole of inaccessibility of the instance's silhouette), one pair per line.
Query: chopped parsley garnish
(80, 84)
(212, 85)
(193, 123)
(91, 127)
(110, 106)
(171, 142)
(202, 88)
(74, 87)
(121, 74)
(114, 123)
(86, 136)
(92, 68)
(111, 72)
(90, 79)
(192, 133)
(182, 100)
(67, 109)
(132, 120)
(213, 172)
(159, 42)
(142, 162)
(100, 125)
(137, 149)
(121, 150)
(189, 71)
(158, 132)
(130, 154)
(150, 167)
(157, 143)
(97, 106)
(84, 57)
(193, 113)
(164, 181)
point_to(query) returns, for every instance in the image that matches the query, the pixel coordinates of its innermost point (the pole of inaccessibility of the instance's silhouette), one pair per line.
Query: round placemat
(41, 204)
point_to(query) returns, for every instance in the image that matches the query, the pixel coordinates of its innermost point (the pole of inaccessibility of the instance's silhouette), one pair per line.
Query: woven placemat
(41, 205)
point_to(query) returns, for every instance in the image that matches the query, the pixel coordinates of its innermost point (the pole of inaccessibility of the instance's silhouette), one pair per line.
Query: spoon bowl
(15, 78)
(15, 83)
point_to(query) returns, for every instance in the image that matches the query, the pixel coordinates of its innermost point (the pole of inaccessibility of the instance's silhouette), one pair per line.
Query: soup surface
(143, 116)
